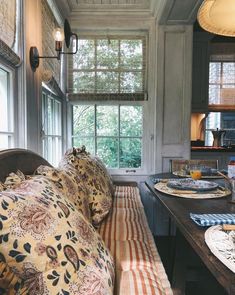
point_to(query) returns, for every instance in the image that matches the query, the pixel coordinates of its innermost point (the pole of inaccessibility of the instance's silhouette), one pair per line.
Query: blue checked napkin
(212, 219)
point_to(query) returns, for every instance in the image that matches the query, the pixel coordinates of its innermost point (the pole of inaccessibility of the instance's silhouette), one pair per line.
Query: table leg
(179, 265)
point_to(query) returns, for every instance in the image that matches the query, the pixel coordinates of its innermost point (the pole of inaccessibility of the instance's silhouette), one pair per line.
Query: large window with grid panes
(107, 92)
(221, 101)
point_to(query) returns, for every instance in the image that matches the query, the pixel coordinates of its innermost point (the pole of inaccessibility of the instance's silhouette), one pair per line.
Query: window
(109, 69)
(114, 132)
(107, 90)
(51, 127)
(7, 136)
(221, 120)
(221, 100)
(221, 85)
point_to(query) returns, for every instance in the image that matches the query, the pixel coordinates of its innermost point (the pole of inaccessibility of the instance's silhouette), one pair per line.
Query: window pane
(83, 120)
(107, 150)
(220, 120)
(107, 82)
(131, 120)
(215, 72)
(107, 54)
(130, 153)
(107, 120)
(108, 65)
(83, 82)
(57, 146)
(89, 143)
(58, 117)
(6, 141)
(214, 94)
(104, 135)
(131, 54)
(6, 120)
(131, 82)
(49, 116)
(228, 72)
(85, 57)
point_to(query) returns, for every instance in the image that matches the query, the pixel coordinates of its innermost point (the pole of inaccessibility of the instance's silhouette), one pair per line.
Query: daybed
(57, 226)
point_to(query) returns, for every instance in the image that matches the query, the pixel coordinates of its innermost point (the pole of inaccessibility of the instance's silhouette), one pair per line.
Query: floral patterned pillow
(13, 179)
(90, 171)
(9, 281)
(49, 245)
(70, 185)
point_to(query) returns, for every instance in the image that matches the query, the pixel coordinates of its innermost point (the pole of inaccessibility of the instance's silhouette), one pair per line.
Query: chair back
(179, 164)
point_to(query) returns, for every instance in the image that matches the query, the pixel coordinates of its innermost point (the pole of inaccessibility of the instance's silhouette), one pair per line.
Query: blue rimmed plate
(190, 184)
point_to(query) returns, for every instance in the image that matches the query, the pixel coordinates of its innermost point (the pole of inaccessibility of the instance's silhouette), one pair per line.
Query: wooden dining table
(179, 210)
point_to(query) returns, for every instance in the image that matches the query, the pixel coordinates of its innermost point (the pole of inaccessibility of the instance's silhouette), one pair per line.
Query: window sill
(220, 107)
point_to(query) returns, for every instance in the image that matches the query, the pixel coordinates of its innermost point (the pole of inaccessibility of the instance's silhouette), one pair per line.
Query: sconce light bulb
(58, 34)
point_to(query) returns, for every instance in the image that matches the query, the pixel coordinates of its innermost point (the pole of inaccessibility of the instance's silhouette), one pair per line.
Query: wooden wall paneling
(174, 94)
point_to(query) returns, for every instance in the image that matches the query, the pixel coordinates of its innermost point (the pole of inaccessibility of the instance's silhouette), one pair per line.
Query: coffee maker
(218, 136)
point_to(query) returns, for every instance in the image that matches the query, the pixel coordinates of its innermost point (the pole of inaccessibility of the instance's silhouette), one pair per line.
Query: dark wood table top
(179, 209)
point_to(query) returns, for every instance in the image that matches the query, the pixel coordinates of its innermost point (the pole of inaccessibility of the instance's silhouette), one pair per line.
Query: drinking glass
(195, 172)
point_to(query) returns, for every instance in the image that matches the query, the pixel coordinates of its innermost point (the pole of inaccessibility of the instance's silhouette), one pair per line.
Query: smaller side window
(7, 135)
(51, 127)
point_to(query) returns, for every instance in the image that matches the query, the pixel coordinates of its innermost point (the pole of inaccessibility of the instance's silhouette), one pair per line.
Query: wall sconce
(59, 36)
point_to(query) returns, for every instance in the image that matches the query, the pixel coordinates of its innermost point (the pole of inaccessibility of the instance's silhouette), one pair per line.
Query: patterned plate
(222, 245)
(190, 184)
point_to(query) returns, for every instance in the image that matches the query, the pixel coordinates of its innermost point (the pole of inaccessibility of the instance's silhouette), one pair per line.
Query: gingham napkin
(212, 219)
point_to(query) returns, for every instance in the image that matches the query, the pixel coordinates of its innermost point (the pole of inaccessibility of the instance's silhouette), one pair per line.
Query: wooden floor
(199, 280)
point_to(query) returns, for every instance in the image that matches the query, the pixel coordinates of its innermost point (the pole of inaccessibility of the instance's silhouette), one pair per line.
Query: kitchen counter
(212, 149)
(221, 154)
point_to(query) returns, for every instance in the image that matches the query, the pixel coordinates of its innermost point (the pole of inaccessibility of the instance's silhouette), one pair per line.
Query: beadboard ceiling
(74, 4)
(166, 11)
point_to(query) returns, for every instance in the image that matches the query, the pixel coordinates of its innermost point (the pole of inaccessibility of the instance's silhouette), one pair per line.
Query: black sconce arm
(34, 54)
(76, 49)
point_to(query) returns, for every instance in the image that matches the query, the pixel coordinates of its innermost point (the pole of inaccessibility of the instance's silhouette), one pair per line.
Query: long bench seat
(126, 233)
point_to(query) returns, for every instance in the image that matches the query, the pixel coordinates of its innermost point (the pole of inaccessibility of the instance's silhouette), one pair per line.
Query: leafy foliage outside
(108, 66)
(117, 143)
(104, 66)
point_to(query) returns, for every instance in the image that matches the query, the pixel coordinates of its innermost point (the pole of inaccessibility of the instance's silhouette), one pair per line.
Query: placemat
(220, 192)
(222, 245)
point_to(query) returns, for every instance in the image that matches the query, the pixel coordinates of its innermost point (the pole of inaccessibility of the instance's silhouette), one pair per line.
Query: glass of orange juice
(195, 172)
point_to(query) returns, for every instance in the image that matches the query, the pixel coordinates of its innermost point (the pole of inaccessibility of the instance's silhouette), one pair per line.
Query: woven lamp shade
(218, 17)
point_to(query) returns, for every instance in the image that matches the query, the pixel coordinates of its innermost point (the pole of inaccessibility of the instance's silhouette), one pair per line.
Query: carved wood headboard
(25, 160)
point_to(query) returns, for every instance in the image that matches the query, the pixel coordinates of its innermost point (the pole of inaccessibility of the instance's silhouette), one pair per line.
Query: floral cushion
(10, 283)
(49, 245)
(95, 176)
(13, 179)
(70, 185)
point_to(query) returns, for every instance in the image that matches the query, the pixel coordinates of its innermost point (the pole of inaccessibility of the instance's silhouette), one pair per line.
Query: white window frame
(12, 105)
(84, 99)
(55, 154)
(125, 171)
(219, 106)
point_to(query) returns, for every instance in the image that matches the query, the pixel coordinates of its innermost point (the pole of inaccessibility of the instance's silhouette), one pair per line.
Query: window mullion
(221, 74)
(95, 113)
(119, 66)
(119, 133)
(95, 43)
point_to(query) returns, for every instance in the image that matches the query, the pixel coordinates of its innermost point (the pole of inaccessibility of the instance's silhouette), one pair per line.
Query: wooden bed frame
(24, 160)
